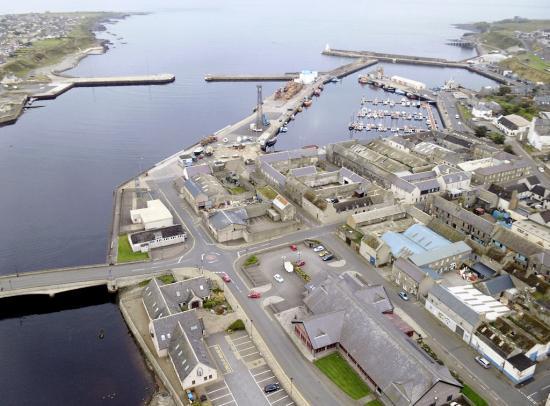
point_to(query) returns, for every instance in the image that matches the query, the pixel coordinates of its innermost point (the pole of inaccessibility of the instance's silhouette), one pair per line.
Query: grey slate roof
(497, 285)
(464, 215)
(324, 329)
(542, 126)
(187, 351)
(516, 243)
(376, 296)
(427, 185)
(223, 218)
(178, 293)
(304, 171)
(192, 187)
(403, 184)
(161, 299)
(397, 365)
(410, 269)
(447, 298)
(456, 177)
(154, 301)
(165, 326)
(505, 167)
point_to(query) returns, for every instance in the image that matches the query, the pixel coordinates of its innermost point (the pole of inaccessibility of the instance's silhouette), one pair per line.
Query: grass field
(528, 66)
(341, 373)
(237, 190)
(374, 402)
(125, 253)
(473, 396)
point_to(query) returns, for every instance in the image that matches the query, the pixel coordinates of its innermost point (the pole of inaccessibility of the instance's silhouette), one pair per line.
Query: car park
(483, 362)
(278, 278)
(318, 248)
(272, 387)
(226, 278)
(403, 295)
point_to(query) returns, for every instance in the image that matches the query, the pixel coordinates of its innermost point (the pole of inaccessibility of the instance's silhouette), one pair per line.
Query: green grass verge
(528, 66)
(473, 396)
(167, 279)
(237, 190)
(343, 375)
(268, 192)
(125, 253)
(374, 402)
(465, 112)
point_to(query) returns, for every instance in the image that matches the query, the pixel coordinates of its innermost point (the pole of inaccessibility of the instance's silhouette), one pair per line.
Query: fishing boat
(283, 129)
(390, 89)
(270, 142)
(399, 91)
(307, 102)
(363, 80)
(317, 92)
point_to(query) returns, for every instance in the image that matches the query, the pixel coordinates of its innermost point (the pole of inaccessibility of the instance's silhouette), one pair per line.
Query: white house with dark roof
(175, 329)
(513, 125)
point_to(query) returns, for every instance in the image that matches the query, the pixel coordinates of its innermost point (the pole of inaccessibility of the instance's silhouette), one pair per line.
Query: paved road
(204, 252)
(448, 108)
(517, 148)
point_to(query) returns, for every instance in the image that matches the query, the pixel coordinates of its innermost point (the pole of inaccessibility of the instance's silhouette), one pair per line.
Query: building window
(209, 376)
(205, 378)
(449, 398)
(192, 382)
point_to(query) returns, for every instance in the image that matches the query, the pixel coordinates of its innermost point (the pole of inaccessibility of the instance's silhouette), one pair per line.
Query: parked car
(203, 398)
(278, 278)
(272, 387)
(293, 247)
(483, 362)
(300, 263)
(328, 257)
(254, 295)
(318, 248)
(322, 254)
(403, 295)
(226, 278)
(457, 116)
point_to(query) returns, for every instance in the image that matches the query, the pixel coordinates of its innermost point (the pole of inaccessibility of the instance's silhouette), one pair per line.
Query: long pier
(250, 78)
(416, 60)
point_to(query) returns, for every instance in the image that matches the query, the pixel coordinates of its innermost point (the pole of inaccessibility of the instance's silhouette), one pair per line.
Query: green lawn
(473, 396)
(268, 192)
(464, 112)
(374, 402)
(125, 253)
(343, 375)
(237, 190)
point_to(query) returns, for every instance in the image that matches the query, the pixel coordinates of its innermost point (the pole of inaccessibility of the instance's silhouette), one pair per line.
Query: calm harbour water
(59, 164)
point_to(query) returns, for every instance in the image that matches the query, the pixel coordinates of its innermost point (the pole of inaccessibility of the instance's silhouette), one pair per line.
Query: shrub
(236, 325)
(251, 260)
(302, 274)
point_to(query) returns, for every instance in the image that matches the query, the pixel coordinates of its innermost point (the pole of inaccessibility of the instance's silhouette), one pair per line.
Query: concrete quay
(250, 78)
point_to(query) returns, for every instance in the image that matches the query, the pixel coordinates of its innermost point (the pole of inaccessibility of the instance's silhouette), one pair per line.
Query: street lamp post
(291, 385)
(251, 329)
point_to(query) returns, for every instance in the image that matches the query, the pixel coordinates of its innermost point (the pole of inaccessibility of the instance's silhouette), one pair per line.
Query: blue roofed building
(427, 249)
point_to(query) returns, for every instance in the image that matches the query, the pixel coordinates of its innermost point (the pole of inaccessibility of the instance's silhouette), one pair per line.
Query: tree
(508, 148)
(497, 138)
(481, 131)
(504, 90)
